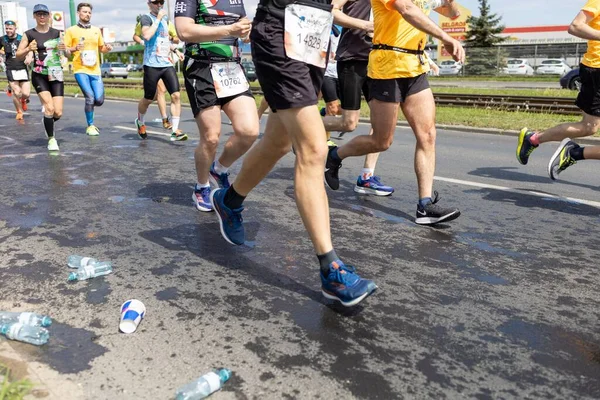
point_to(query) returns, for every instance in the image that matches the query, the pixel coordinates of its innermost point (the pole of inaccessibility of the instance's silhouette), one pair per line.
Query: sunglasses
(9, 23)
(159, 2)
(41, 14)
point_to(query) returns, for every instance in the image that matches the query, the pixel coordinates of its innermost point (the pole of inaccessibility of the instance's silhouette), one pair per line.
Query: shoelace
(344, 272)
(566, 165)
(235, 216)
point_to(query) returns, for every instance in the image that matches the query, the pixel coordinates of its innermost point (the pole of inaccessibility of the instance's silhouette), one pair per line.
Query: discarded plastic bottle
(26, 333)
(91, 271)
(204, 386)
(26, 318)
(436, 3)
(75, 261)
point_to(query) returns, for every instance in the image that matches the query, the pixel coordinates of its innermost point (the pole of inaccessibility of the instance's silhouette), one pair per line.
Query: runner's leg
(245, 129)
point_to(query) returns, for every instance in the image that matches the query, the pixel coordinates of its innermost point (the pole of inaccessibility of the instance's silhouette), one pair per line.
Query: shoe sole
(520, 145)
(198, 206)
(348, 303)
(375, 192)
(176, 139)
(212, 203)
(432, 221)
(555, 156)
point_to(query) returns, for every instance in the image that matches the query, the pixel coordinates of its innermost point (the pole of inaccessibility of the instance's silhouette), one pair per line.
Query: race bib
(20, 75)
(89, 58)
(55, 74)
(229, 79)
(163, 47)
(307, 32)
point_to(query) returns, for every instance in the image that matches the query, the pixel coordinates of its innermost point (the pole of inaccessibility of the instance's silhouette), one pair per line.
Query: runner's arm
(580, 28)
(23, 48)
(342, 19)
(149, 27)
(138, 39)
(190, 32)
(414, 16)
(449, 10)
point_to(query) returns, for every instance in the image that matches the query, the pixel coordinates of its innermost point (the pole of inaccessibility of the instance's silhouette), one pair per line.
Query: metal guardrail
(551, 105)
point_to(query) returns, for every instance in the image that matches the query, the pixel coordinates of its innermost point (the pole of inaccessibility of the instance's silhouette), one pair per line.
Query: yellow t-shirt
(172, 30)
(393, 30)
(592, 56)
(86, 61)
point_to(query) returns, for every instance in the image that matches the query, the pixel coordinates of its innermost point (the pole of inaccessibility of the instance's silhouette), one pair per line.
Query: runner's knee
(99, 101)
(210, 140)
(311, 154)
(349, 125)
(176, 97)
(426, 139)
(590, 128)
(57, 114)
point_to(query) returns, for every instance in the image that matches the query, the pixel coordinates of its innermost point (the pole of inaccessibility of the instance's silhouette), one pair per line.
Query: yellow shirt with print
(393, 30)
(592, 56)
(92, 43)
(172, 30)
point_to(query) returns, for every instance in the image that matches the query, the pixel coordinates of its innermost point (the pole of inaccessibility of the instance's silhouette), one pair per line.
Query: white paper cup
(132, 312)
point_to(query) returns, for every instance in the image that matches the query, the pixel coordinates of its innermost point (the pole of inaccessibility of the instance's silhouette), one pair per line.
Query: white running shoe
(52, 144)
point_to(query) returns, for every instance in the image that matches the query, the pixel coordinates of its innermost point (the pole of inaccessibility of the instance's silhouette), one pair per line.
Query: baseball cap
(40, 8)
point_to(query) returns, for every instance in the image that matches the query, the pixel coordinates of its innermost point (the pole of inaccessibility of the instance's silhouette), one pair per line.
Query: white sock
(202, 185)
(220, 169)
(367, 173)
(141, 118)
(175, 123)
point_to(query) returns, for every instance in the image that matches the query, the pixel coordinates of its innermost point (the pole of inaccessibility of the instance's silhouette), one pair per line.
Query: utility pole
(72, 9)
(168, 9)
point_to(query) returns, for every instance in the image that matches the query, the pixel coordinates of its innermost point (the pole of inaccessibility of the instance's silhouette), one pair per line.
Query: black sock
(334, 155)
(326, 259)
(49, 126)
(233, 199)
(577, 153)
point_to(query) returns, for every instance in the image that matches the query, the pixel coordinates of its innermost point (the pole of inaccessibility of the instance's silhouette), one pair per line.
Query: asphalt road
(501, 303)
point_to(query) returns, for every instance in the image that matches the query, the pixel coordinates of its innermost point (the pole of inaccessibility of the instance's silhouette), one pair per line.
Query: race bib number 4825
(307, 31)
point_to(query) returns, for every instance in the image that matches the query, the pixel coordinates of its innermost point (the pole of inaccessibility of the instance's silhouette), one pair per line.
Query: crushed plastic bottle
(76, 261)
(204, 386)
(26, 318)
(91, 271)
(26, 333)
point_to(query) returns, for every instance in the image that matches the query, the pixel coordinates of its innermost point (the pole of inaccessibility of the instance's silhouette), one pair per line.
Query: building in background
(12, 11)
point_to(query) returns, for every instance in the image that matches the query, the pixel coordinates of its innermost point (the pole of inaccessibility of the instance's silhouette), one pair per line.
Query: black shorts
(41, 84)
(330, 89)
(151, 77)
(200, 87)
(9, 76)
(353, 78)
(588, 99)
(397, 90)
(286, 83)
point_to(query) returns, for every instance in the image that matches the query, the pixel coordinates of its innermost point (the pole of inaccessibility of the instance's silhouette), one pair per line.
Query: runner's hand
(369, 27)
(33, 45)
(79, 47)
(161, 14)
(62, 47)
(108, 46)
(455, 48)
(241, 28)
(28, 59)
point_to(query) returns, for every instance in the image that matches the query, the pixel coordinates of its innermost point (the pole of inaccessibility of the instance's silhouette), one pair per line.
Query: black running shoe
(524, 146)
(332, 169)
(433, 213)
(561, 159)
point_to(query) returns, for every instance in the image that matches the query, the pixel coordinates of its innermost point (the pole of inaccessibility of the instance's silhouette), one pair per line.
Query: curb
(456, 128)
(487, 131)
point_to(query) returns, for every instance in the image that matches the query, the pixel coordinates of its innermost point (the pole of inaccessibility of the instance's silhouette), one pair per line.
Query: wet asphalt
(502, 303)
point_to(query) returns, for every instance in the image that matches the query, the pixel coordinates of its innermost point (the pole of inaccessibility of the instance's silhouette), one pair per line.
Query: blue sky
(120, 15)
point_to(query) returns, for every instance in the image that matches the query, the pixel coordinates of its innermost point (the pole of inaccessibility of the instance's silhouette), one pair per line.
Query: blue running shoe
(344, 285)
(218, 180)
(201, 197)
(230, 220)
(372, 186)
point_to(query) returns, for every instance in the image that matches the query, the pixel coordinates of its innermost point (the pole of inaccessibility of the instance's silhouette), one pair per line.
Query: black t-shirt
(277, 7)
(353, 45)
(45, 41)
(10, 47)
(224, 12)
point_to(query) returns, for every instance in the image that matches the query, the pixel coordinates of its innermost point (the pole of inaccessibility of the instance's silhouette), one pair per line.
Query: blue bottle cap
(224, 374)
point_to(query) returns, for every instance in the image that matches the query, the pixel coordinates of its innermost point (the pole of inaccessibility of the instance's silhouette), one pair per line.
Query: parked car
(450, 67)
(114, 70)
(571, 80)
(518, 66)
(553, 66)
(249, 70)
(135, 67)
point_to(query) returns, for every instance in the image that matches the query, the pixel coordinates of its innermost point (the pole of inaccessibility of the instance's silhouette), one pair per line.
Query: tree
(482, 57)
